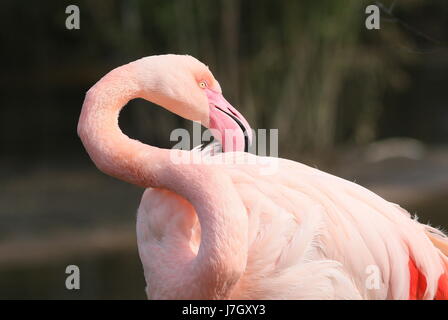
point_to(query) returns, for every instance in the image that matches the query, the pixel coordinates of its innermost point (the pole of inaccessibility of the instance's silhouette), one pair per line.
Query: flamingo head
(185, 86)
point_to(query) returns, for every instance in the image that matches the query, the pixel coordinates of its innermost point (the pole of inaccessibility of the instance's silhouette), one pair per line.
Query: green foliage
(309, 68)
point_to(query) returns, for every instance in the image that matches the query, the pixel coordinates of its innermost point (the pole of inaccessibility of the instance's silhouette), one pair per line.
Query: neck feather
(222, 255)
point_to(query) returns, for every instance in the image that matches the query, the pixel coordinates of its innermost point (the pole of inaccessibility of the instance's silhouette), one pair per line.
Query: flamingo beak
(227, 124)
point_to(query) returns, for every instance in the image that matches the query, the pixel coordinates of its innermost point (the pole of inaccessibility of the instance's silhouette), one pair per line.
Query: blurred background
(367, 105)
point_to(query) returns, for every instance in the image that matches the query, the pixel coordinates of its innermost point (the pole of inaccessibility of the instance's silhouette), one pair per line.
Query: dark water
(115, 275)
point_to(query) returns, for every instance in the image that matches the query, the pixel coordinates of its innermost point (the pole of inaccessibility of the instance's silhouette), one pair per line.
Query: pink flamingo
(224, 231)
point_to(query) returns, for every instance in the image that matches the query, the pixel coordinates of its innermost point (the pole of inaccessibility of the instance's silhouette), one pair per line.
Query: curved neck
(222, 255)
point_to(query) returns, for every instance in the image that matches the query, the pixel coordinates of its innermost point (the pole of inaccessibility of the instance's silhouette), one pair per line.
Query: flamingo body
(311, 236)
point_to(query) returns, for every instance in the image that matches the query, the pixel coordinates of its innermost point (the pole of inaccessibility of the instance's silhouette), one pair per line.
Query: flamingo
(225, 231)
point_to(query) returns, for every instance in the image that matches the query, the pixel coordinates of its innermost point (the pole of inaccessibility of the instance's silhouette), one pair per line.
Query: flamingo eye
(203, 84)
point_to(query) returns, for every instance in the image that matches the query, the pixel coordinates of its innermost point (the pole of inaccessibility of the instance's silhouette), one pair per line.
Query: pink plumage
(226, 231)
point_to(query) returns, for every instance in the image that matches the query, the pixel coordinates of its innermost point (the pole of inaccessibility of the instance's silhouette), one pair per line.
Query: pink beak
(227, 124)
